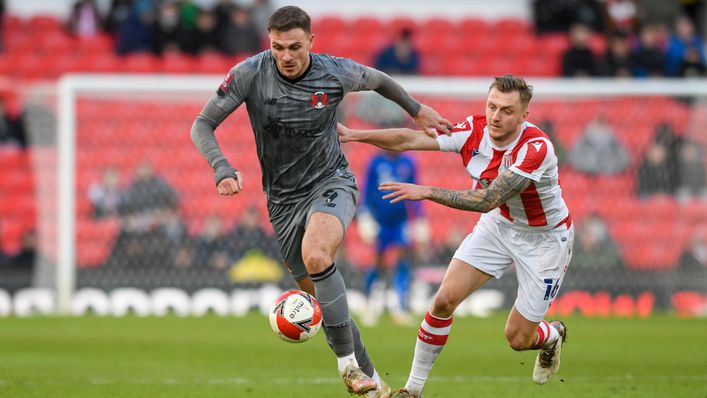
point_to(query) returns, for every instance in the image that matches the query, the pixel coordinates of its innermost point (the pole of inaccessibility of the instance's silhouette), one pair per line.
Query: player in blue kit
(392, 223)
(292, 96)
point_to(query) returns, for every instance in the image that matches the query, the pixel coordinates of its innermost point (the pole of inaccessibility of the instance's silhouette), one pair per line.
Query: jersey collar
(302, 76)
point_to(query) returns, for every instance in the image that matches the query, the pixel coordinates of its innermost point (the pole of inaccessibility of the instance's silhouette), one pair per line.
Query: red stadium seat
(474, 28)
(102, 62)
(44, 23)
(140, 63)
(329, 25)
(438, 27)
(213, 63)
(33, 67)
(101, 43)
(366, 25)
(178, 63)
(66, 63)
(20, 43)
(56, 42)
(514, 27)
(396, 25)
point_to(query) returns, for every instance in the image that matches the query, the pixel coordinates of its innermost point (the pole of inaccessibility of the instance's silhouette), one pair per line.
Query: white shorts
(541, 259)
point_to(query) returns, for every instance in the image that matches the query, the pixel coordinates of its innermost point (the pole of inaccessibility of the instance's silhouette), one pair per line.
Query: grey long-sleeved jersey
(294, 121)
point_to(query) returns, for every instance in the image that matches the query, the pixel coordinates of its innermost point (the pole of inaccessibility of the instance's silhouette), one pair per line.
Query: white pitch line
(335, 380)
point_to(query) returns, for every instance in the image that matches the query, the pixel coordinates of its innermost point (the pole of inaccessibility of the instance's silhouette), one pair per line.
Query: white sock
(546, 335)
(431, 338)
(343, 362)
(377, 378)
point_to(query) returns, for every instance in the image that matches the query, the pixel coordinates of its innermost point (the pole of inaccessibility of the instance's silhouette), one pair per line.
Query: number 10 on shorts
(551, 289)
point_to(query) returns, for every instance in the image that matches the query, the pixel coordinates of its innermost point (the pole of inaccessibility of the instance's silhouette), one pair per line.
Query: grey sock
(331, 293)
(364, 361)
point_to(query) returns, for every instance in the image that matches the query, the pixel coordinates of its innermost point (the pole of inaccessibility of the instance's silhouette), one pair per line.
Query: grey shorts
(337, 196)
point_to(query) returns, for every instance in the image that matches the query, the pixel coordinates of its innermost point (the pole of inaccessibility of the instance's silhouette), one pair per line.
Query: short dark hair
(510, 83)
(288, 18)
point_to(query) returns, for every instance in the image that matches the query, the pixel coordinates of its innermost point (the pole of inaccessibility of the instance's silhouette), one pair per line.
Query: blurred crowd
(647, 38)
(175, 25)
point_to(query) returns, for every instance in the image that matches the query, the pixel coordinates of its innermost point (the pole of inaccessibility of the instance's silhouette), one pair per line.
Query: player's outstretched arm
(397, 139)
(228, 180)
(504, 187)
(425, 117)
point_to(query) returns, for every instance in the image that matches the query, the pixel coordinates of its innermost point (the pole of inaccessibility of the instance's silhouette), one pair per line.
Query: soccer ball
(295, 316)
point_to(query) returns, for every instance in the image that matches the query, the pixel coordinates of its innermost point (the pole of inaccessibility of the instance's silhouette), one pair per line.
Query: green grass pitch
(216, 357)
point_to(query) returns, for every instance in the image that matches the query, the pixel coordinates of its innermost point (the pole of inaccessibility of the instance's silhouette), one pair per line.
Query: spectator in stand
(548, 127)
(2, 25)
(151, 229)
(222, 13)
(4, 258)
(401, 57)
(454, 238)
(134, 34)
(249, 234)
(578, 60)
(560, 15)
(691, 171)
(656, 174)
(84, 20)
(107, 196)
(17, 271)
(648, 60)
(260, 13)
(27, 255)
(692, 64)
(240, 35)
(651, 12)
(118, 14)
(617, 59)
(167, 30)
(621, 15)
(212, 245)
(598, 151)
(188, 13)
(148, 194)
(203, 37)
(695, 255)
(684, 47)
(594, 247)
(12, 127)
(184, 257)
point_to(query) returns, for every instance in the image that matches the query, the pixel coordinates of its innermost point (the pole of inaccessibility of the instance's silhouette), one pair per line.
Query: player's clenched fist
(229, 186)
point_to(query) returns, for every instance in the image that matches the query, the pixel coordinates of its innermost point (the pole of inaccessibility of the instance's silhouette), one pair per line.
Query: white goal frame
(71, 86)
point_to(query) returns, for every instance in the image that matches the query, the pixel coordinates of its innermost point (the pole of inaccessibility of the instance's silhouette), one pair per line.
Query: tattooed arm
(504, 187)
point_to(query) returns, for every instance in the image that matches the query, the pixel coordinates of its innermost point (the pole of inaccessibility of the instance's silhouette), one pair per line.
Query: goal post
(122, 92)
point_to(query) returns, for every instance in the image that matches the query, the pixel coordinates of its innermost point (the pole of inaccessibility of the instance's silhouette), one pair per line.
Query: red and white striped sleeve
(534, 158)
(460, 134)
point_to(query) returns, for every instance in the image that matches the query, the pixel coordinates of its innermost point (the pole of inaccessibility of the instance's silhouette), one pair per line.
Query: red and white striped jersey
(531, 155)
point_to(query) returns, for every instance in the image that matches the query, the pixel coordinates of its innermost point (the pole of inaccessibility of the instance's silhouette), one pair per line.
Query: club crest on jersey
(320, 100)
(223, 88)
(507, 161)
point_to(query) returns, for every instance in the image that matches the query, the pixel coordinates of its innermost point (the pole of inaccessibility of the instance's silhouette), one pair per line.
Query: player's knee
(444, 304)
(316, 260)
(517, 340)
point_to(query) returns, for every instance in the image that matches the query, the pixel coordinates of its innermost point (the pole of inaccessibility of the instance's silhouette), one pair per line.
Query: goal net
(129, 215)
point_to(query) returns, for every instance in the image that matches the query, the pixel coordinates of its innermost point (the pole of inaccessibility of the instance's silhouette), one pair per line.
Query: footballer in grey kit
(291, 96)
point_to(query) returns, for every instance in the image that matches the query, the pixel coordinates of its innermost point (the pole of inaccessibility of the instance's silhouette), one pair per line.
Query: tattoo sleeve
(504, 187)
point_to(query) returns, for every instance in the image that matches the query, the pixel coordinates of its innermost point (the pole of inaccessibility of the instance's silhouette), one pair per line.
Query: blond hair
(510, 83)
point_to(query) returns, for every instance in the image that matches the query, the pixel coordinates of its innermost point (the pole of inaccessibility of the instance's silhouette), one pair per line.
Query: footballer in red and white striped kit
(526, 222)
